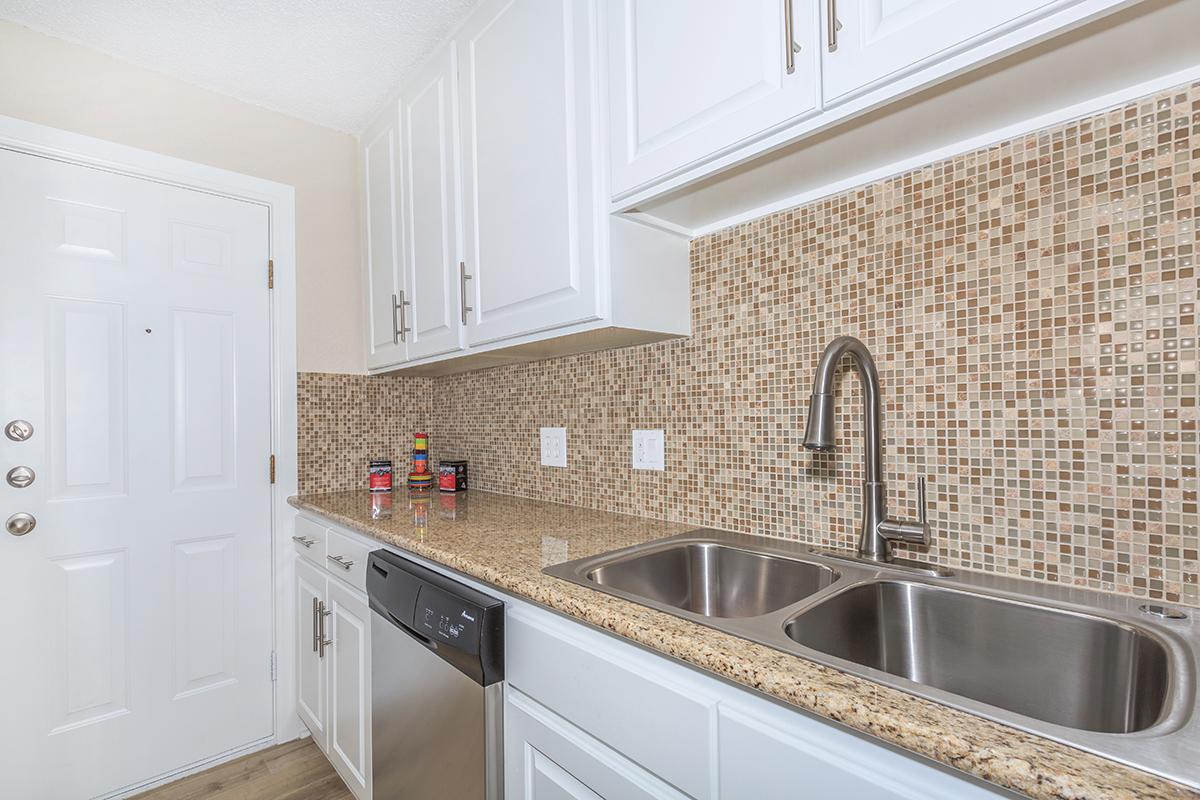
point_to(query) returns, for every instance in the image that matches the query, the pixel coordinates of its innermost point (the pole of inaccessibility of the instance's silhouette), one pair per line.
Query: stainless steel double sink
(1092, 670)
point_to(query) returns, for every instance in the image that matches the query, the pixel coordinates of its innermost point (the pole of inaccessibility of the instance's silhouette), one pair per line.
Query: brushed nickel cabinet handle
(463, 277)
(323, 612)
(316, 637)
(341, 561)
(304, 540)
(399, 326)
(832, 24)
(789, 42)
(395, 324)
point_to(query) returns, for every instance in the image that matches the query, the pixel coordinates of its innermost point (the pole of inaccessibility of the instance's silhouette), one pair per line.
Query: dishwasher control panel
(445, 618)
(462, 626)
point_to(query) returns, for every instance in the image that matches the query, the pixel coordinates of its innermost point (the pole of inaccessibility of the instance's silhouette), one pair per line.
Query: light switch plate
(649, 450)
(554, 447)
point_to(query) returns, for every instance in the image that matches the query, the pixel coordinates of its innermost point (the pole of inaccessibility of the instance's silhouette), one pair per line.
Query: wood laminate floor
(293, 771)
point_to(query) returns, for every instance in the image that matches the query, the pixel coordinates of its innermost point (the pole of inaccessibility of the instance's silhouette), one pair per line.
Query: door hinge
(270, 273)
(274, 667)
(272, 468)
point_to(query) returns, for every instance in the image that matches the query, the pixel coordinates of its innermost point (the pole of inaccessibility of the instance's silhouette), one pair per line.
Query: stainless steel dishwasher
(437, 666)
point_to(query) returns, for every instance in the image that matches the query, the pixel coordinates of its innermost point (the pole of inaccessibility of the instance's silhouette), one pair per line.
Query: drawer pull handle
(342, 562)
(304, 540)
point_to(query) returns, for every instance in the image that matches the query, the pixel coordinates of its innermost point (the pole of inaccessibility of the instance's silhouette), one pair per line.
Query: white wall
(63, 85)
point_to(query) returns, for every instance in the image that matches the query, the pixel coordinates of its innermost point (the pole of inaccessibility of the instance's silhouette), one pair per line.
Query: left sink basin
(705, 578)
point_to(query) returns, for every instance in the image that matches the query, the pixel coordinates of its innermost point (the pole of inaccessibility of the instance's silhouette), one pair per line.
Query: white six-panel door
(136, 342)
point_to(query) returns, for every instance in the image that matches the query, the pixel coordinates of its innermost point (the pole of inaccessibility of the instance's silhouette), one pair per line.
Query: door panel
(379, 212)
(546, 757)
(204, 399)
(529, 189)
(205, 602)
(86, 389)
(548, 781)
(310, 667)
(89, 598)
(878, 39)
(143, 638)
(349, 691)
(689, 80)
(430, 205)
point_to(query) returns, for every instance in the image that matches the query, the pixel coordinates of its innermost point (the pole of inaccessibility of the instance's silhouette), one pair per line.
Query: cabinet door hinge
(274, 667)
(270, 273)
(272, 469)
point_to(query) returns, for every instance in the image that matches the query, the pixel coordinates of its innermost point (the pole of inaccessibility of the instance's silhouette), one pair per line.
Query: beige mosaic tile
(1031, 307)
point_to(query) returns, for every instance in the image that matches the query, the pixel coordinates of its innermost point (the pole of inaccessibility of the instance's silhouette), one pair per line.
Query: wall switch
(554, 447)
(648, 450)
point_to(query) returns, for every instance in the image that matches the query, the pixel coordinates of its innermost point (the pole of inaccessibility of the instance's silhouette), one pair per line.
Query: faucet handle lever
(910, 532)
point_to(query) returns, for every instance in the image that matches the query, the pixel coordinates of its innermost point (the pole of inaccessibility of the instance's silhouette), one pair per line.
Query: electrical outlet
(648, 450)
(554, 447)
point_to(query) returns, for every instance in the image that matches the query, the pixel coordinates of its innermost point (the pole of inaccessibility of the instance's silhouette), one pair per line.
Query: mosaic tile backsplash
(1032, 311)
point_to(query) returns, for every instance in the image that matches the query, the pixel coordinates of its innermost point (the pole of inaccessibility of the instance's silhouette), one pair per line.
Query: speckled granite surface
(507, 541)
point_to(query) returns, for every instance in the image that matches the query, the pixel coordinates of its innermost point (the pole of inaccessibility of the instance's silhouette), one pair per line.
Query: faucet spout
(819, 431)
(877, 529)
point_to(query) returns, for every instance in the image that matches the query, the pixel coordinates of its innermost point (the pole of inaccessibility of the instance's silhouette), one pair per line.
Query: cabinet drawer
(309, 540)
(668, 728)
(347, 559)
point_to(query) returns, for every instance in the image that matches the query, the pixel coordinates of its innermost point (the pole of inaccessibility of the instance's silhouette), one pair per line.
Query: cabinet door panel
(430, 208)
(379, 211)
(690, 79)
(527, 88)
(310, 667)
(882, 38)
(349, 660)
(547, 758)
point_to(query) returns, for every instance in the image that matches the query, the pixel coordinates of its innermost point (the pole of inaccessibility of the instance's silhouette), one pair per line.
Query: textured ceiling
(332, 62)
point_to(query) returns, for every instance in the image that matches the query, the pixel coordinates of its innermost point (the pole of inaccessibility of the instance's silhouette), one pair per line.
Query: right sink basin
(1058, 666)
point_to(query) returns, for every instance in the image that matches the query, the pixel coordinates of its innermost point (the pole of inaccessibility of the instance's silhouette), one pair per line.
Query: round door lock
(20, 524)
(18, 430)
(20, 477)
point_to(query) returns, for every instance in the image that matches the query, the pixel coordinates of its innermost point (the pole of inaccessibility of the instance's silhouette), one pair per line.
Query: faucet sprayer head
(818, 434)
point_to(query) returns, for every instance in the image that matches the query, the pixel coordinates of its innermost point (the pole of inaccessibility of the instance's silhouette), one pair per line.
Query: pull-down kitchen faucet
(877, 530)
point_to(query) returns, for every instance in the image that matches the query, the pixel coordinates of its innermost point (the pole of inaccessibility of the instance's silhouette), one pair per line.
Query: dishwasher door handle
(425, 641)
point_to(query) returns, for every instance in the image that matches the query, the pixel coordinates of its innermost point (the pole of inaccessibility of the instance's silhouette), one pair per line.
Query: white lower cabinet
(310, 667)
(589, 716)
(333, 672)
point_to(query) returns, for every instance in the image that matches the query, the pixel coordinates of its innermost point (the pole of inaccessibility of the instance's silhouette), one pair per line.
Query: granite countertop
(507, 541)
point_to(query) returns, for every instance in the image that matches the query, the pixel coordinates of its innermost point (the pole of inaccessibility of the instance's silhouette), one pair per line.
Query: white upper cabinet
(690, 79)
(429, 170)
(528, 97)
(385, 346)
(877, 39)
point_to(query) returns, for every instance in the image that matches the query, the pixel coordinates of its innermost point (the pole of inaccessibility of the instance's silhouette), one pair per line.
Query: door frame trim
(30, 138)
